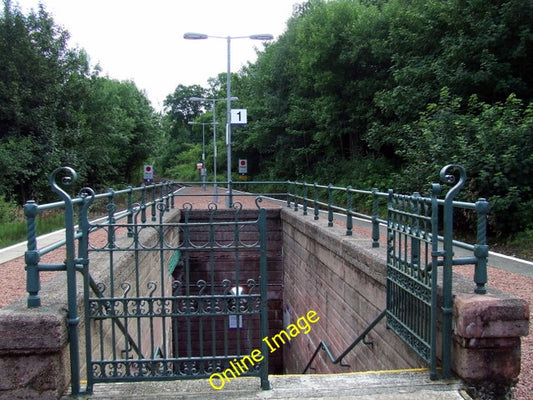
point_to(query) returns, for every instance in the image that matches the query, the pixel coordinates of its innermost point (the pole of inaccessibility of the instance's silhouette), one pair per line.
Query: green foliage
(173, 159)
(55, 111)
(521, 245)
(15, 231)
(354, 87)
(13, 227)
(8, 211)
(184, 166)
(493, 142)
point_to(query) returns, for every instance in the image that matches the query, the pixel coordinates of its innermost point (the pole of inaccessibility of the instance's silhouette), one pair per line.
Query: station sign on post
(243, 168)
(239, 116)
(148, 173)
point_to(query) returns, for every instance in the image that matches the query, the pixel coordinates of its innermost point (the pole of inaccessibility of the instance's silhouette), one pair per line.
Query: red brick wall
(220, 266)
(343, 279)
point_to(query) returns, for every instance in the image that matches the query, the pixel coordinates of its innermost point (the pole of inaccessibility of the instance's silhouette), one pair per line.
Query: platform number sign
(239, 116)
(148, 173)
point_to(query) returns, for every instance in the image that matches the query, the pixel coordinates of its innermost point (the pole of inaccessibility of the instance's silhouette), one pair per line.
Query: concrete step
(406, 385)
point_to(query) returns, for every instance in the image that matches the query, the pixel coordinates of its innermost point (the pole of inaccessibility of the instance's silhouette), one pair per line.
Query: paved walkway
(198, 197)
(407, 385)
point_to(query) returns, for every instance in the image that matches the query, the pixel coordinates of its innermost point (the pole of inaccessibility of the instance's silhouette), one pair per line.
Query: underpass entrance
(200, 311)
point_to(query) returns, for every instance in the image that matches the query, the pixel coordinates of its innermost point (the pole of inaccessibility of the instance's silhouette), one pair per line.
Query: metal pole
(228, 123)
(215, 198)
(203, 170)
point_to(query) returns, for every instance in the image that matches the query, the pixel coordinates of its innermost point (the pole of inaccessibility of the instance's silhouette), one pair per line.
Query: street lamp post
(200, 36)
(213, 101)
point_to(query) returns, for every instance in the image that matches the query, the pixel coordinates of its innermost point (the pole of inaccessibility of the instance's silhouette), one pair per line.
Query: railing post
(143, 204)
(435, 254)
(171, 194)
(296, 196)
(288, 194)
(481, 249)
(130, 211)
(349, 206)
(153, 208)
(87, 195)
(70, 264)
(32, 256)
(316, 202)
(330, 204)
(111, 208)
(263, 266)
(167, 196)
(375, 218)
(305, 198)
(415, 242)
(447, 299)
(230, 194)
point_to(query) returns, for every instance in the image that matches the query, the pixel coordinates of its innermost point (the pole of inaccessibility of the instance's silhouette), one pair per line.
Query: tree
(180, 110)
(55, 110)
(470, 47)
(35, 65)
(493, 142)
(120, 132)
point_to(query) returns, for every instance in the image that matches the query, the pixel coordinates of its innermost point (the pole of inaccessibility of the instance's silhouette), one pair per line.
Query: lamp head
(195, 36)
(262, 36)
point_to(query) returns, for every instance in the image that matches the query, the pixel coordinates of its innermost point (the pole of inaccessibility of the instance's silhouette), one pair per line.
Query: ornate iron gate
(411, 278)
(414, 254)
(191, 301)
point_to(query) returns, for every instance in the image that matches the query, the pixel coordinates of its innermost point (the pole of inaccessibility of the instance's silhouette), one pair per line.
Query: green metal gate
(418, 259)
(190, 303)
(411, 279)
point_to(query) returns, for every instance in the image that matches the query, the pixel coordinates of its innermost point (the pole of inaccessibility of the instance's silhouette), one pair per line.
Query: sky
(142, 40)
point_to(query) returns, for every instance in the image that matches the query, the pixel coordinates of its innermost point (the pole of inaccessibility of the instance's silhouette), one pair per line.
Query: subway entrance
(200, 311)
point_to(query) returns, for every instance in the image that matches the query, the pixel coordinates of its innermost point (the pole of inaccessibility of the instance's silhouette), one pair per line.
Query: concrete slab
(18, 250)
(409, 385)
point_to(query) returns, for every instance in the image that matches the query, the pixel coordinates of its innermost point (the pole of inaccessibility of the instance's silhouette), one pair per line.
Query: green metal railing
(360, 339)
(414, 251)
(344, 204)
(149, 196)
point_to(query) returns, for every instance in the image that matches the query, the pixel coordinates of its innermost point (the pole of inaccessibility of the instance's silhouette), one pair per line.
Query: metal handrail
(297, 194)
(361, 338)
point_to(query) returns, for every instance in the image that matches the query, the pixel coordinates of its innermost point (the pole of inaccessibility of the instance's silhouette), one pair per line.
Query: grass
(521, 246)
(15, 231)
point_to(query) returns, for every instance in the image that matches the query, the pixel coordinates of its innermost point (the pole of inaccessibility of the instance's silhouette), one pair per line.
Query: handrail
(323, 345)
(325, 198)
(130, 341)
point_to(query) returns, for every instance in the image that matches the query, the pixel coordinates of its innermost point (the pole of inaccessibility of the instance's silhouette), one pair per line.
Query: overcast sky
(143, 41)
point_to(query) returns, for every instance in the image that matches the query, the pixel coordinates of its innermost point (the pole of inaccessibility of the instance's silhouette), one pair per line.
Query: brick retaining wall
(225, 268)
(343, 279)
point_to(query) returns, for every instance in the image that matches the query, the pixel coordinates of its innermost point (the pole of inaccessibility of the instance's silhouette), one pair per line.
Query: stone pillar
(33, 353)
(486, 345)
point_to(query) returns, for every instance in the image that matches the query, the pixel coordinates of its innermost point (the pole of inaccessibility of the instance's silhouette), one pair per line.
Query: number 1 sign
(238, 116)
